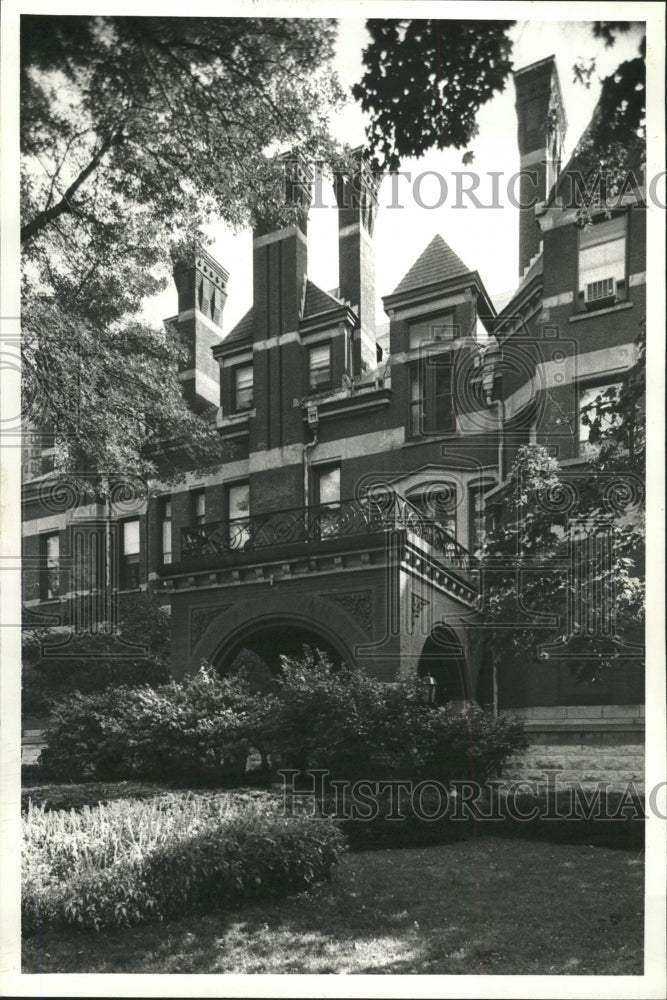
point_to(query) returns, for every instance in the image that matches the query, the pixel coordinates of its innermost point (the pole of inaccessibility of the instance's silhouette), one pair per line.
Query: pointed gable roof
(318, 301)
(438, 262)
(242, 330)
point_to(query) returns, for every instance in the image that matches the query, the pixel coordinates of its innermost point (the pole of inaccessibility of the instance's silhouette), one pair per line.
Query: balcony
(317, 528)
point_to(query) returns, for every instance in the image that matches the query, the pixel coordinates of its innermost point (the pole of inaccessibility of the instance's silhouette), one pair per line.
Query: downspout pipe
(314, 423)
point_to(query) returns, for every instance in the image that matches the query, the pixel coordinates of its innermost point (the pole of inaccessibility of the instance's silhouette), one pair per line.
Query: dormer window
(243, 388)
(602, 263)
(435, 329)
(319, 367)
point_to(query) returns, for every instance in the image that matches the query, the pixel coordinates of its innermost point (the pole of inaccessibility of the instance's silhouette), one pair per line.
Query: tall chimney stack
(541, 126)
(201, 284)
(356, 196)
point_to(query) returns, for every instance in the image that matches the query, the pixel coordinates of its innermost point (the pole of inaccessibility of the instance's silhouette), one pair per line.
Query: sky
(486, 239)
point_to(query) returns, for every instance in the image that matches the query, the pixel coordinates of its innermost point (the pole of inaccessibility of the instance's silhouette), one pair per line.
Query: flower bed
(129, 862)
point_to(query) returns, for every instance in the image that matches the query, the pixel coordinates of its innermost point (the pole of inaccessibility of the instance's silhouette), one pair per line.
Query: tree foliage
(529, 581)
(425, 80)
(136, 132)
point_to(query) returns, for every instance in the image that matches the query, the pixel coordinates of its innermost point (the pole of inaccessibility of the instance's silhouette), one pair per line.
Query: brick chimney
(356, 196)
(280, 258)
(541, 126)
(202, 292)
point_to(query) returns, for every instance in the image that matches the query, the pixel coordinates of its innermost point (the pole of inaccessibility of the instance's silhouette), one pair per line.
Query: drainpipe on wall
(494, 658)
(313, 423)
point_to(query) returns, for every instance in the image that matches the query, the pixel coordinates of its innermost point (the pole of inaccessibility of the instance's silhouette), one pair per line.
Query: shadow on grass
(482, 906)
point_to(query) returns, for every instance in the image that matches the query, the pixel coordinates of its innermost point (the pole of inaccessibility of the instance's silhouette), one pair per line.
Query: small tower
(202, 292)
(541, 126)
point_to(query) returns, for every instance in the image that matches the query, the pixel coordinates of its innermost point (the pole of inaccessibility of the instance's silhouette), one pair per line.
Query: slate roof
(318, 301)
(437, 263)
(242, 330)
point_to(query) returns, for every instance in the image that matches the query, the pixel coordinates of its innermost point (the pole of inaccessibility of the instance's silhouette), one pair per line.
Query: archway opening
(443, 658)
(259, 651)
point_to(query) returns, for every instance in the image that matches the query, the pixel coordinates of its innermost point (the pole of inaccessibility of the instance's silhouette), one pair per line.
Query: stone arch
(312, 616)
(443, 656)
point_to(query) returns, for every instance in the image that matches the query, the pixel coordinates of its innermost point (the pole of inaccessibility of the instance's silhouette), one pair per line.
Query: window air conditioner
(600, 291)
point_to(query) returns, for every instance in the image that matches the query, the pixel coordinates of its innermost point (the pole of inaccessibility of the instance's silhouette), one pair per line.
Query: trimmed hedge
(131, 862)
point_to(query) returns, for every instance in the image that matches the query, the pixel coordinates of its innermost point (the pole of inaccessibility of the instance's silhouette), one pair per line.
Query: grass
(493, 906)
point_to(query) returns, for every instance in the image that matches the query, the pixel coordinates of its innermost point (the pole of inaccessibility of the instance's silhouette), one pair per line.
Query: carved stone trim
(359, 604)
(201, 618)
(417, 604)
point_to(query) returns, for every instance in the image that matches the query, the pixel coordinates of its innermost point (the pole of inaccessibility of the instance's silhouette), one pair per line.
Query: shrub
(90, 661)
(341, 720)
(358, 727)
(130, 862)
(452, 745)
(195, 732)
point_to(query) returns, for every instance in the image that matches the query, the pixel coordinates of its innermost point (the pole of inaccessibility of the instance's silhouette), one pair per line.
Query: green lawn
(493, 906)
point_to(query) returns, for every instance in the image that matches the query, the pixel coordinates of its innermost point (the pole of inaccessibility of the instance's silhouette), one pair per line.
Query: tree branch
(42, 219)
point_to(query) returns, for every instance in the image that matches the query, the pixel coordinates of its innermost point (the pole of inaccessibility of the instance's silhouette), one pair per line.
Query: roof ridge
(436, 262)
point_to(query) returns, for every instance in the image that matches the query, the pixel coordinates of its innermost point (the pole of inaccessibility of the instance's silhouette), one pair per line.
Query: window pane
(329, 485)
(166, 541)
(605, 260)
(52, 549)
(431, 330)
(200, 505)
(130, 538)
(602, 232)
(243, 387)
(320, 366)
(239, 502)
(587, 396)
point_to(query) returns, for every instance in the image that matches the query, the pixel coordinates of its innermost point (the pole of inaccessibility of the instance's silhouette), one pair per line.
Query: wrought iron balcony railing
(319, 524)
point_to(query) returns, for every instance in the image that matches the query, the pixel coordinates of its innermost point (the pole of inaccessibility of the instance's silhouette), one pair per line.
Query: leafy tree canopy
(425, 81)
(135, 133)
(526, 580)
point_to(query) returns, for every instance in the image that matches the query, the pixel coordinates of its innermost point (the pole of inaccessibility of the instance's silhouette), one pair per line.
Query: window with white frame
(602, 262)
(327, 498)
(243, 388)
(238, 506)
(50, 580)
(319, 367)
(432, 396)
(165, 529)
(130, 554)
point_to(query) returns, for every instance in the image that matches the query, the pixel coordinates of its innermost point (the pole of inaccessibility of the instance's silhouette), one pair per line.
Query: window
(594, 421)
(50, 578)
(327, 499)
(199, 507)
(243, 388)
(432, 330)
(130, 552)
(476, 523)
(431, 396)
(238, 505)
(436, 501)
(602, 263)
(165, 530)
(319, 367)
